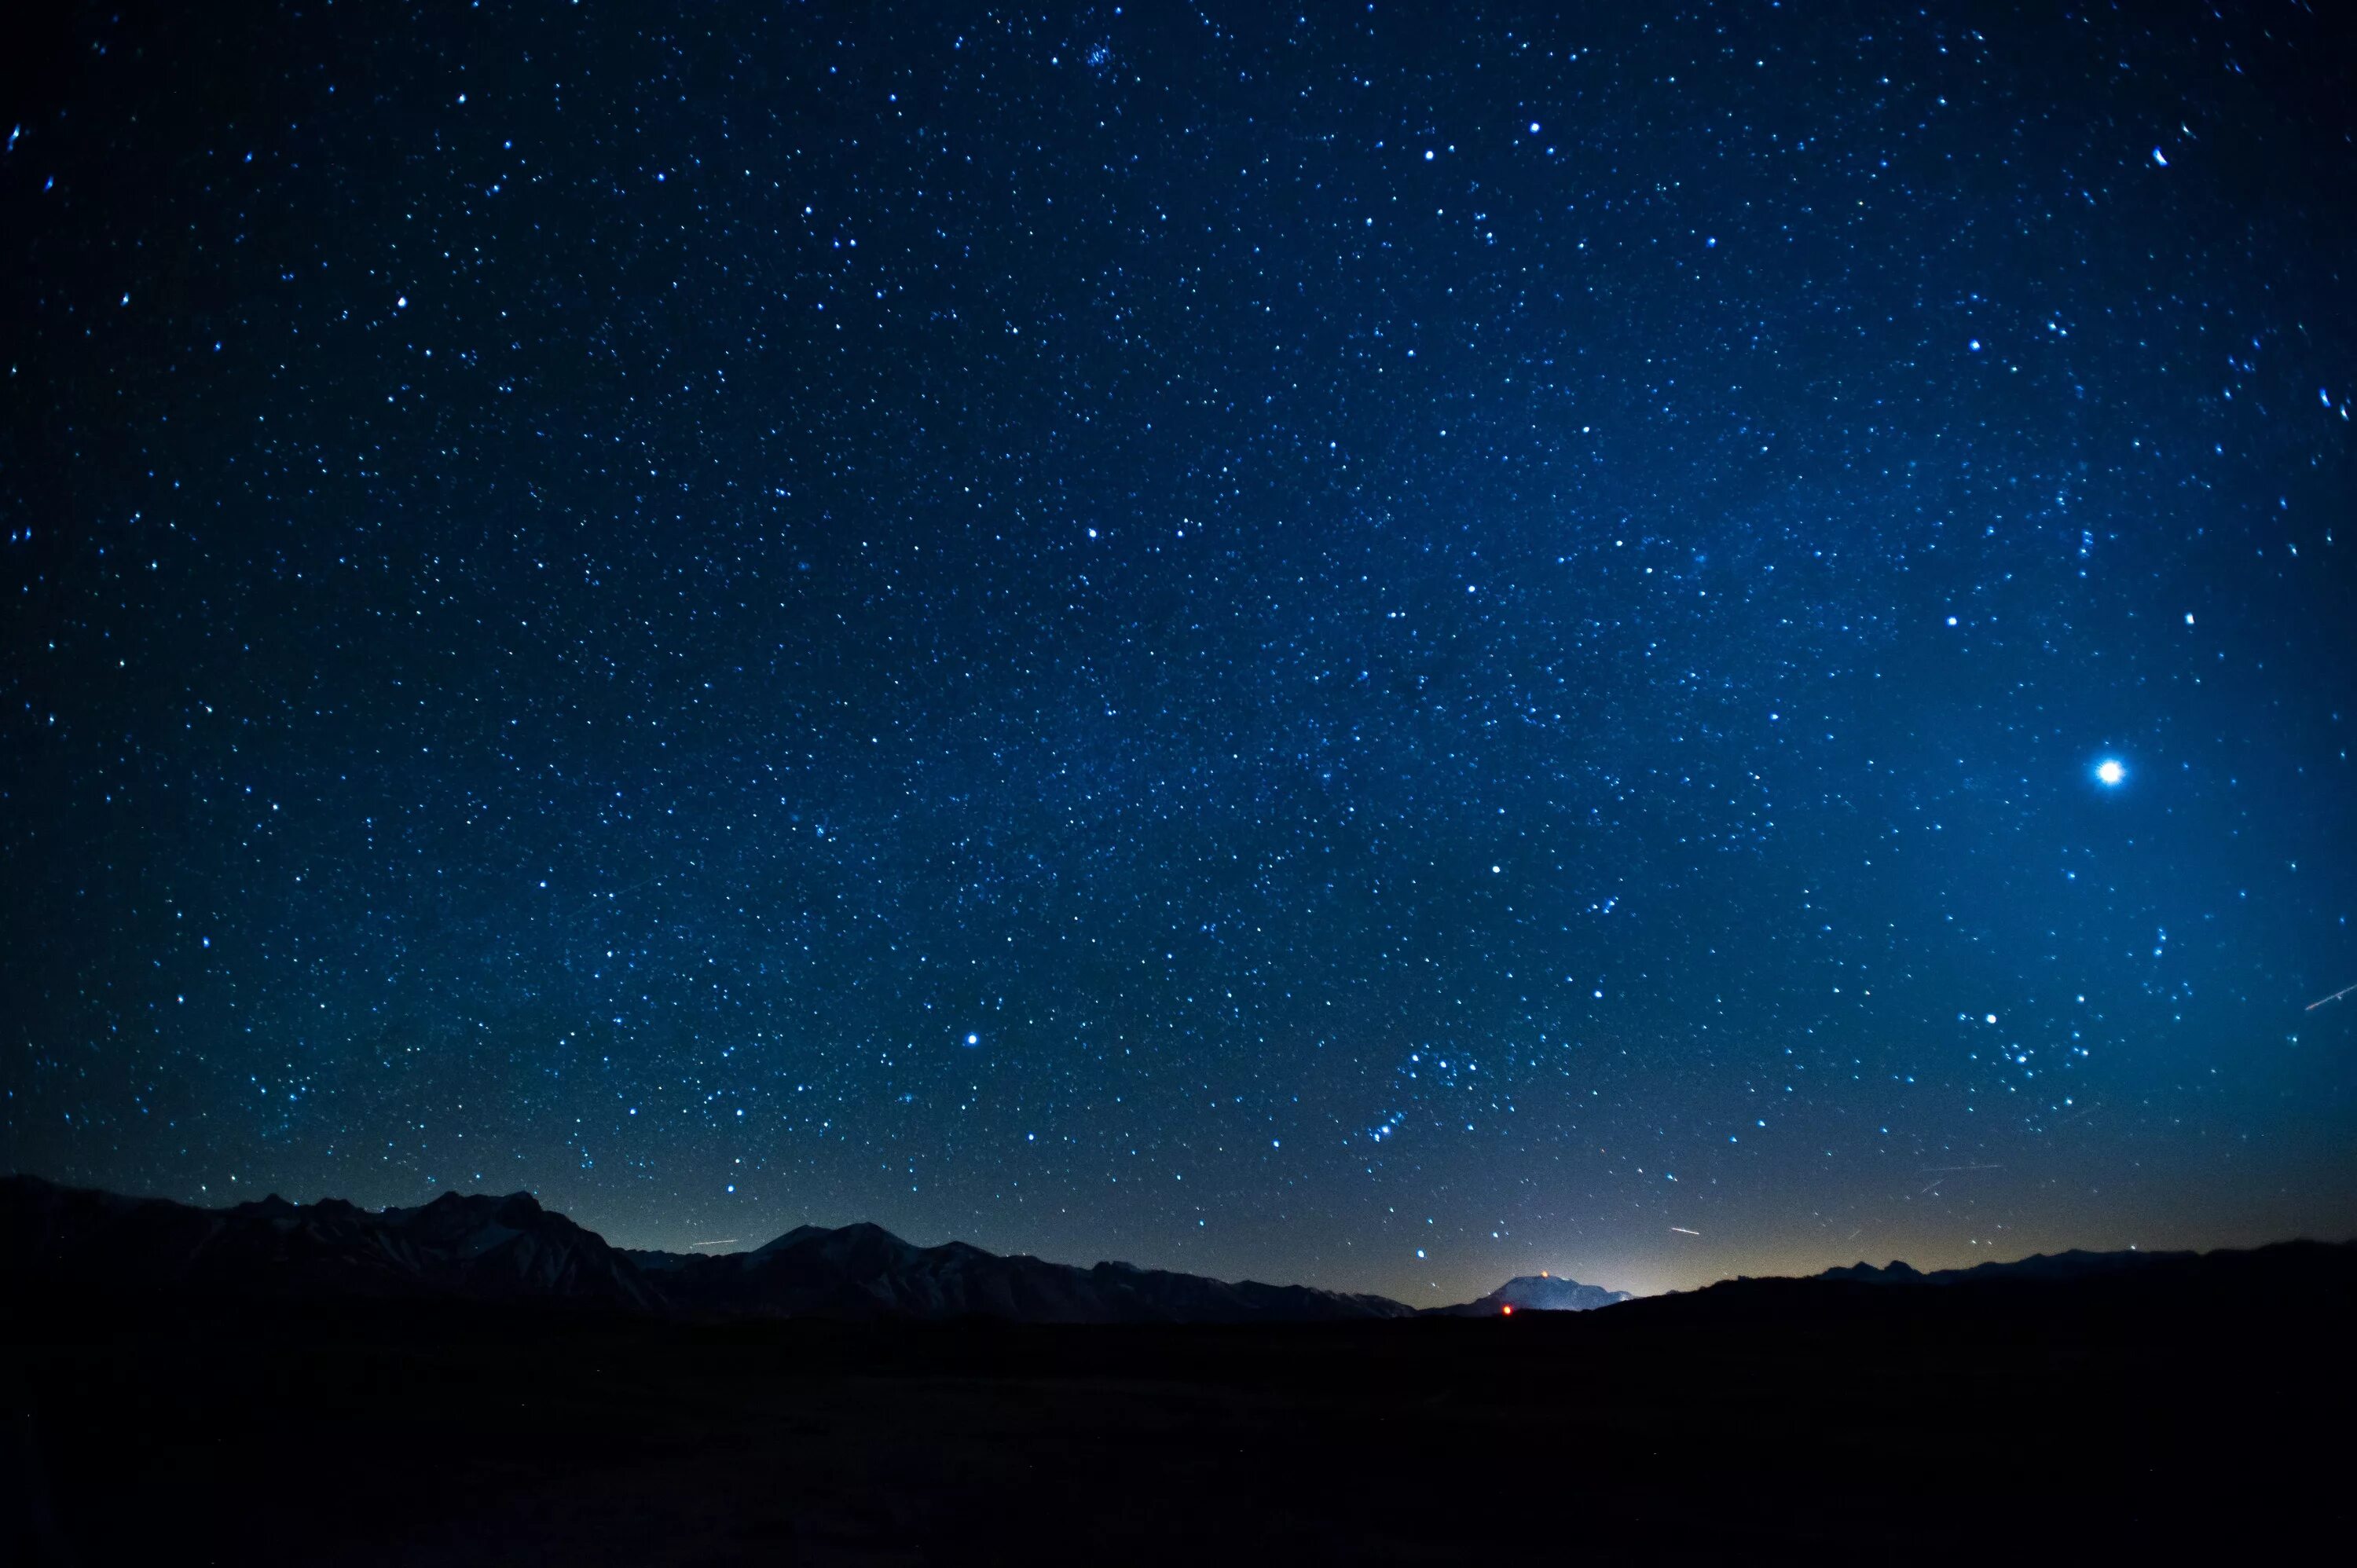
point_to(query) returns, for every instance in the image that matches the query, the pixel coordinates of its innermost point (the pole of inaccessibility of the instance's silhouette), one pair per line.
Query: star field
(1380, 646)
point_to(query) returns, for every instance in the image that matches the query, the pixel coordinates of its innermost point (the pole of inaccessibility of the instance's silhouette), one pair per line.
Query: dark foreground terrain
(2195, 1407)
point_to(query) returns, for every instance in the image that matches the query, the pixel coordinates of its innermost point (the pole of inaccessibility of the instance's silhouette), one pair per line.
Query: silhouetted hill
(480, 1248)
(2246, 1292)
(2074, 1264)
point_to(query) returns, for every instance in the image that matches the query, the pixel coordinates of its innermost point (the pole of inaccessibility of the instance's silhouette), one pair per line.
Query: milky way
(1383, 646)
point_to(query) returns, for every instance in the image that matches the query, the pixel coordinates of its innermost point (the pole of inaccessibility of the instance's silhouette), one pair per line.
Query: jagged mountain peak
(1538, 1293)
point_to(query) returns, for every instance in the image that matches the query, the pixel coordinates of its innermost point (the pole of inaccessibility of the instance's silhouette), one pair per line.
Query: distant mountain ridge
(478, 1247)
(2075, 1264)
(1537, 1293)
(864, 1271)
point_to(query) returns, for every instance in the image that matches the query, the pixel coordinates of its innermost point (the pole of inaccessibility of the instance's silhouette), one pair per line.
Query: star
(2111, 772)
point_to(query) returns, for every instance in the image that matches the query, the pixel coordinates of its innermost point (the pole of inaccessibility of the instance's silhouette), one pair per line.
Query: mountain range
(480, 1380)
(866, 1271)
(476, 1247)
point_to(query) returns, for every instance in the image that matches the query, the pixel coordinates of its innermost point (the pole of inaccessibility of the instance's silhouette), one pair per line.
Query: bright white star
(2111, 770)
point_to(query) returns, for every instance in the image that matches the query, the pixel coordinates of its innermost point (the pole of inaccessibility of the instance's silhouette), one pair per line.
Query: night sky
(1385, 646)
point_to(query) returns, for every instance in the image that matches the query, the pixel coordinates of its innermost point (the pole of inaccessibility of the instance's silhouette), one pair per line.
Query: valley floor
(394, 1436)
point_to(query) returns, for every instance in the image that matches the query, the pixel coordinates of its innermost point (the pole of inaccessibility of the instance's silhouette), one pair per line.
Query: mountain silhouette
(866, 1271)
(467, 1245)
(480, 1380)
(476, 1247)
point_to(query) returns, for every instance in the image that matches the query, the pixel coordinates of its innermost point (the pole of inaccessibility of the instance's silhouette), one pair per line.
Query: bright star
(2111, 771)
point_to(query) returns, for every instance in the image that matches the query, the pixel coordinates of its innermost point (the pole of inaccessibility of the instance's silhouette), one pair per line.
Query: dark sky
(1386, 647)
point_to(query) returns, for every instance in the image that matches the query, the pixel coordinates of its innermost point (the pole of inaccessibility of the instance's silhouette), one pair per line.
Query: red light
(1508, 1311)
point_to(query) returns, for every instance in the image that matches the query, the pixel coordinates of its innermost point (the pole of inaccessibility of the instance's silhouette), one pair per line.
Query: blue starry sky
(1384, 646)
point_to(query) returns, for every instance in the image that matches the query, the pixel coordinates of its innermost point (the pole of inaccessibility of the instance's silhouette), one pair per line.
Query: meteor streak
(1684, 1231)
(2334, 997)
